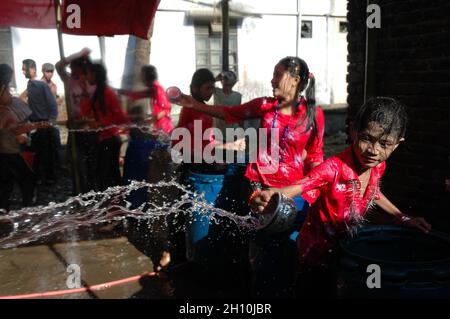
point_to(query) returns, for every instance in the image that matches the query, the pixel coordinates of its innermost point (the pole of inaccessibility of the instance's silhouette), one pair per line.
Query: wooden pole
(101, 42)
(71, 143)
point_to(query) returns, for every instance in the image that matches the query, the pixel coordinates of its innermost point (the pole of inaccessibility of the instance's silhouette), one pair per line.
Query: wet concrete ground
(106, 257)
(44, 267)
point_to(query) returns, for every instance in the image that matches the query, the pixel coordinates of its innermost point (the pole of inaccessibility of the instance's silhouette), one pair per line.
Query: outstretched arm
(212, 110)
(28, 127)
(260, 199)
(413, 222)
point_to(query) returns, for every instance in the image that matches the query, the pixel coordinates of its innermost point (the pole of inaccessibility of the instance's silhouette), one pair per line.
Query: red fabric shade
(96, 17)
(111, 17)
(27, 13)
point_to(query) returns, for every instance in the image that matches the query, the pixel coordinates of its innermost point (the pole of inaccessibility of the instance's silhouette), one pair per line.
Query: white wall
(173, 50)
(261, 46)
(42, 46)
(262, 42)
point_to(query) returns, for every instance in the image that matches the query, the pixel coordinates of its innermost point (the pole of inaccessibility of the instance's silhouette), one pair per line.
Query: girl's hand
(85, 52)
(417, 222)
(185, 100)
(22, 139)
(259, 202)
(150, 120)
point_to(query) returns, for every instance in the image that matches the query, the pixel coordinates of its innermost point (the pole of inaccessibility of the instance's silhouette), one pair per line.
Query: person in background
(13, 168)
(48, 70)
(226, 96)
(44, 109)
(160, 106)
(143, 146)
(85, 141)
(103, 112)
(47, 75)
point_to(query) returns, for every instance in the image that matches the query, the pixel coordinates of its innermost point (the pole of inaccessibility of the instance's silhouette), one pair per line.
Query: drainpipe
(225, 35)
(299, 28)
(370, 61)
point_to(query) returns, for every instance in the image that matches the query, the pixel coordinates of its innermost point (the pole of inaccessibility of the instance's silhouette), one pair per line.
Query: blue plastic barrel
(411, 264)
(206, 240)
(137, 159)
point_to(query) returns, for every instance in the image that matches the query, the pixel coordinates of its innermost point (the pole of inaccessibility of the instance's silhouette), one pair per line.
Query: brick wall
(411, 62)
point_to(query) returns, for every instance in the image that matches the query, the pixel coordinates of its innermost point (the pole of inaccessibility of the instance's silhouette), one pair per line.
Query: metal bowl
(278, 216)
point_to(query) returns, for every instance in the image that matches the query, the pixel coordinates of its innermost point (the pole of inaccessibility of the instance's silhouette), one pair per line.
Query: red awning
(27, 13)
(82, 17)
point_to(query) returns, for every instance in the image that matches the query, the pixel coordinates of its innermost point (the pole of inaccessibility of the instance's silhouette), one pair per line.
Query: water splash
(31, 224)
(157, 134)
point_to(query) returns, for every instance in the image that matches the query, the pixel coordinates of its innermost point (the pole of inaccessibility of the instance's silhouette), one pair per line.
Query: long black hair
(298, 68)
(149, 73)
(101, 80)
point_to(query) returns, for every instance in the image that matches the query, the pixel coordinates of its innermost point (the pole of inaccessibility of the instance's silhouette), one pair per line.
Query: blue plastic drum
(410, 264)
(206, 240)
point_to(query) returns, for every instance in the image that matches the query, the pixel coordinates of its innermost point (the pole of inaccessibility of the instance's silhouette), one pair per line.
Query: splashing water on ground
(31, 224)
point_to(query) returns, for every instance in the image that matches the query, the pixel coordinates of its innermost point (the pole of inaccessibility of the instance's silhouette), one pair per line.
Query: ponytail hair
(298, 68)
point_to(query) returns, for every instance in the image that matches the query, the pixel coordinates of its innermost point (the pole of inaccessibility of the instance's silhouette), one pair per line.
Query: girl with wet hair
(293, 114)
(105, 111)
(349, 187)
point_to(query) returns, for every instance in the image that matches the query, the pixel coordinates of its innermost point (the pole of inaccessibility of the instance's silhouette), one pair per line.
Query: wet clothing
(160, 103)
(113, 114)
(339, 208)
(187, 118)
(294, 137)
(108, 140)
(77, 94)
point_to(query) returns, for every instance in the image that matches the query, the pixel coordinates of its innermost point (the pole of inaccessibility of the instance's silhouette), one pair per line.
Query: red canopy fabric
(97, 17)
(112, 17)
(38, 14)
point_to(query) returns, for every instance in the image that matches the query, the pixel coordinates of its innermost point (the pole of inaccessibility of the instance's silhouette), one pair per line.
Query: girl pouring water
(349, 186)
